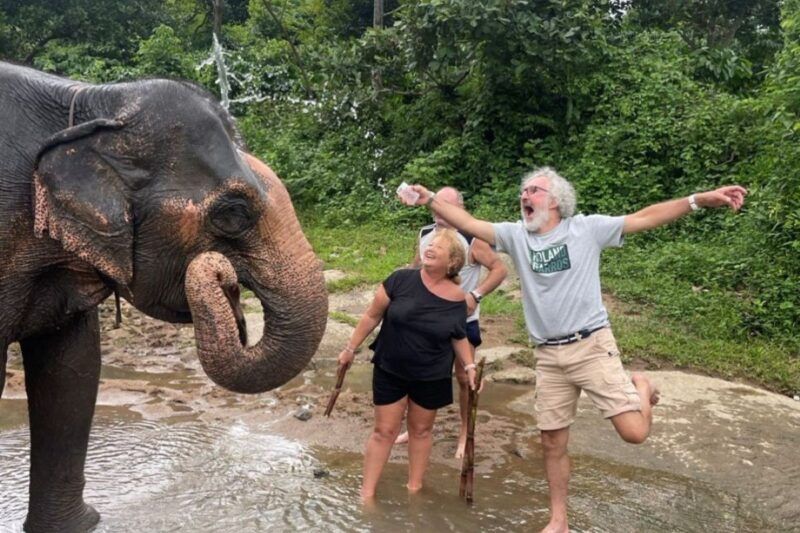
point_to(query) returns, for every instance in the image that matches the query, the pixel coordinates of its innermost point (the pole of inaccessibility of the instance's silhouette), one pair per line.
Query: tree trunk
(377, 23)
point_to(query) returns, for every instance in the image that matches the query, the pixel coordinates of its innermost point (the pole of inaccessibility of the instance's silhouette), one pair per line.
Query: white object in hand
(409, 195)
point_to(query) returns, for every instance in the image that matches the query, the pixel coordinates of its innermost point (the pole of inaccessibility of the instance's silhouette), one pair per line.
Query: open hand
(730, 195)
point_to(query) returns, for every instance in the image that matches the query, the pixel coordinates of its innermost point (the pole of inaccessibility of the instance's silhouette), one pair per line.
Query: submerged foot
(462, 446)
(367, 498)
(650, 389)
(84, 521)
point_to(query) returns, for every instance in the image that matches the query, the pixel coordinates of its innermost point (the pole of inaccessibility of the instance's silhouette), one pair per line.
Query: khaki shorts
(592, 365)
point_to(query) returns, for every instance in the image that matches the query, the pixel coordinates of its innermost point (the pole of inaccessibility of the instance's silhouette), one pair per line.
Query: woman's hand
(471, 375)
(470, 369)
(347, 355)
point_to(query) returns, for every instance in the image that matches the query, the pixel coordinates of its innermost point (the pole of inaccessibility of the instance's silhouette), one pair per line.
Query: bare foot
(402, 438)
(367, 499)
(414, 489)
(462, 446)
(651, 389)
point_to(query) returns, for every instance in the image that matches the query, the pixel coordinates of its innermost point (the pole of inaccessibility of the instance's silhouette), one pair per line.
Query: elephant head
(152, 190)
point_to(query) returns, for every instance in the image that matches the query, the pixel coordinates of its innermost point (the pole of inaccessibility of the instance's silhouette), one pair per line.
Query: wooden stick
(468, 463)
(340, 372)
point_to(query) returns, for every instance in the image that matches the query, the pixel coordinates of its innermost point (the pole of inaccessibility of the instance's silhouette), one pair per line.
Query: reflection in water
(200, 477)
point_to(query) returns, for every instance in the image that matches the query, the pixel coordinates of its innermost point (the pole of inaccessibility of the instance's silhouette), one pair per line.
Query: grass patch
(344, 318)
(681, 317)
(368, 254)
(501, 303)
(658, 341)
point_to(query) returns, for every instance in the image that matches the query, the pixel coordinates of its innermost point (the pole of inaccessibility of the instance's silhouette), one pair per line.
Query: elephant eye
(231, 217)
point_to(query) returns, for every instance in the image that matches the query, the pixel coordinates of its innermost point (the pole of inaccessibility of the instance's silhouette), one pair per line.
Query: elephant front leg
(62, 372)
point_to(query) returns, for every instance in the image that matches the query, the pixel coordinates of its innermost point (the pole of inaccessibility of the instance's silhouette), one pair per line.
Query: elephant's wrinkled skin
(148, 193)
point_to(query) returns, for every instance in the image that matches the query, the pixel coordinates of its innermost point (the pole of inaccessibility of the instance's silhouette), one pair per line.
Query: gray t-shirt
(559, 272)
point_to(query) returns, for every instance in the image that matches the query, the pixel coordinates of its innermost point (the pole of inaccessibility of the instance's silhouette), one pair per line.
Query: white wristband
(349, 349)
(470, 366)
(693, 203)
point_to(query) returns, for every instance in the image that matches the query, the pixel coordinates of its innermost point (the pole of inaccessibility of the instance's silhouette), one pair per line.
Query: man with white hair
(557, 257)
(478, 254)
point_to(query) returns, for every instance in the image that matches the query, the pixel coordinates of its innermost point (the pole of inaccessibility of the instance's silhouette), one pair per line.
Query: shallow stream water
(185, 474)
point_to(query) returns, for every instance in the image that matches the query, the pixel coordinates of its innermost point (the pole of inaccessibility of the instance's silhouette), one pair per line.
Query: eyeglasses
(533, 189)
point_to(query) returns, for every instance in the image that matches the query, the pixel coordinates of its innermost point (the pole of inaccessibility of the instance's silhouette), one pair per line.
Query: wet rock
(303, 414)
(499, 353)
(518, 374)
(320, 472)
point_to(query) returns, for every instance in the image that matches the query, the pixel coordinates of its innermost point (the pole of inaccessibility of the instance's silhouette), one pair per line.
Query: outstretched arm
(455, 216)
(665, 212)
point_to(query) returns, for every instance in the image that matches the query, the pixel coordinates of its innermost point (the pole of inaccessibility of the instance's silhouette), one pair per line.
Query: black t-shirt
(415, 338)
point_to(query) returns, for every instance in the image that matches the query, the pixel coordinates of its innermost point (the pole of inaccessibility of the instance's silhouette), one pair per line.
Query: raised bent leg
(557, 466)
(62, 372)
(634, 426)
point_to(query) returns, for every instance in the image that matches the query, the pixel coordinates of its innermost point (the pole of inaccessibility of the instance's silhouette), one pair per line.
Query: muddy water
(186, 474)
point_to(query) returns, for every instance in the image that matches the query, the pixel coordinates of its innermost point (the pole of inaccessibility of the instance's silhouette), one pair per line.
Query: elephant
(143, 188)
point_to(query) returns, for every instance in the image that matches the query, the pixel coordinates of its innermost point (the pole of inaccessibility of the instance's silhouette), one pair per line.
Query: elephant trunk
(295, 314)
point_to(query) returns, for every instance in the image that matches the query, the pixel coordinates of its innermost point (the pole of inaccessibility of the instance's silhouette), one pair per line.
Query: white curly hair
(560, 189)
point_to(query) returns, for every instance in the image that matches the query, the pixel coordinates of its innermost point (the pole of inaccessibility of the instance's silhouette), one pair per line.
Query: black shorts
(474, 333)
(388, 388)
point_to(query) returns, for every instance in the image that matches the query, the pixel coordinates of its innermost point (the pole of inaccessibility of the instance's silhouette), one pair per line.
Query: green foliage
(731, 41)
(164, 54)
(105, 29)
(367, 255)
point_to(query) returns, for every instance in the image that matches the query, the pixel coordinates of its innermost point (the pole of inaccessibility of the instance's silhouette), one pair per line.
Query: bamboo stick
(337, 388)
(468, 463)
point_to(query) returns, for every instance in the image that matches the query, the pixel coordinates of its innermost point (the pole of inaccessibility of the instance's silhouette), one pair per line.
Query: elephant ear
(80, 200)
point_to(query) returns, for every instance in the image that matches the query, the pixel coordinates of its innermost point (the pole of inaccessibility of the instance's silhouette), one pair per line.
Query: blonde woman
(423, 315)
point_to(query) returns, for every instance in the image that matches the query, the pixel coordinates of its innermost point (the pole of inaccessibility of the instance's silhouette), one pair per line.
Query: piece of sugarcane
(340, 372)
(468, 462)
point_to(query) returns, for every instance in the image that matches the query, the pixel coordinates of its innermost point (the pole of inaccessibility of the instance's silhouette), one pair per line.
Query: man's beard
(540, 218)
